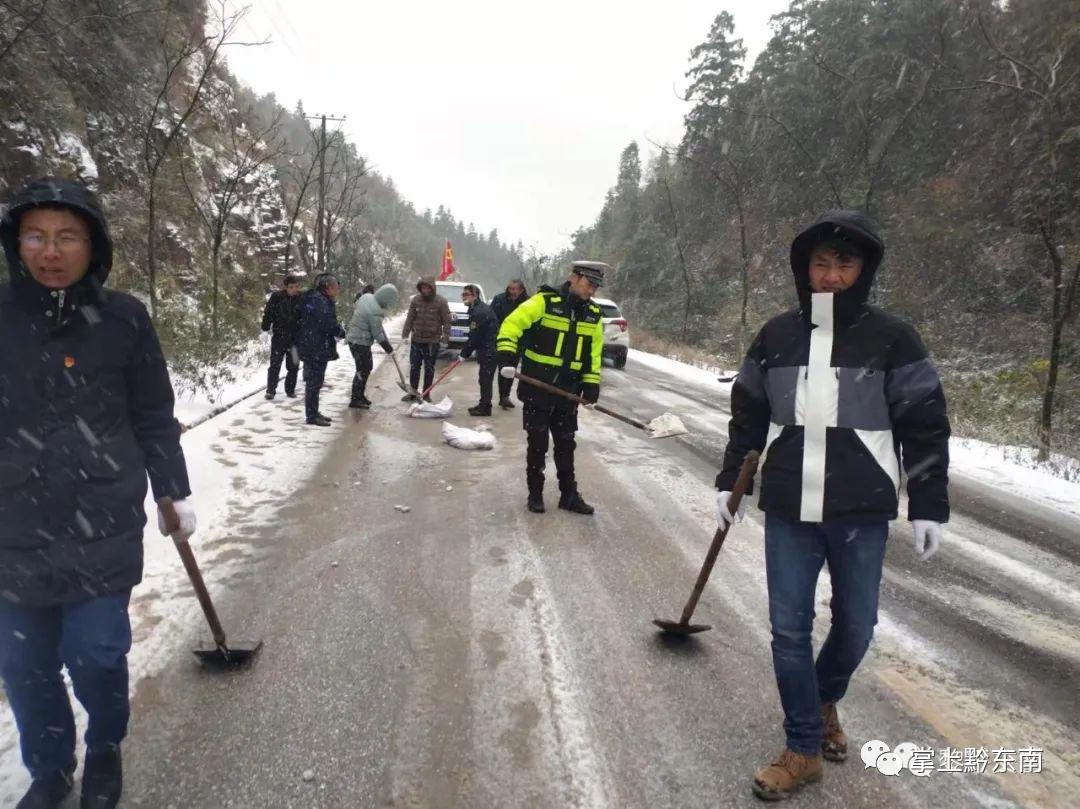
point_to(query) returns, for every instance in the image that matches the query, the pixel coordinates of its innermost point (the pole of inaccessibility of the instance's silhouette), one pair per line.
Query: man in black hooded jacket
(86, 413)
(502, 306)
(281, 317)
(837, 394)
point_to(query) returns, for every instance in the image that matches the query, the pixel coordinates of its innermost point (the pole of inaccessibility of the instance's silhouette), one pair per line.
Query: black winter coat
(483, 329)
(838, 394)
(502, 304)
(281, 318)
(86, 412)
(319, 328)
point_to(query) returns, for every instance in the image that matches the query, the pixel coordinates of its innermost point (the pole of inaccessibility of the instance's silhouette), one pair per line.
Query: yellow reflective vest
(560, 342)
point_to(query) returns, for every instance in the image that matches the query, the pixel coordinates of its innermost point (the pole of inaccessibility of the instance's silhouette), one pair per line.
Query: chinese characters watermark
(924, 761)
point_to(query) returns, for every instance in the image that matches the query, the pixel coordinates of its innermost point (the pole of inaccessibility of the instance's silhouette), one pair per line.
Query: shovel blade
(232, 656)
(679, 628)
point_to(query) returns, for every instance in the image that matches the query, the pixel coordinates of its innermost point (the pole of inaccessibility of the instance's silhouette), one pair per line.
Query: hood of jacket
(68, 194)
(387, 296)
(58, 306)
(850, 226)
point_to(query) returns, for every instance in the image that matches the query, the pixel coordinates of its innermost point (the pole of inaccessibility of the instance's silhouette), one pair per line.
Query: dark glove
(506, 359)
(590, 392)
(466, 353)
(389, 349)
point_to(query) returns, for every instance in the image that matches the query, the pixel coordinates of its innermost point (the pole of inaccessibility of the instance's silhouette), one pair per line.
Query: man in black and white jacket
(836, 393)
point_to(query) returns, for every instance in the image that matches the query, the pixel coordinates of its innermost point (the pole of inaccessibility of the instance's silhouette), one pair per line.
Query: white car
(616, 332)
(459, 312)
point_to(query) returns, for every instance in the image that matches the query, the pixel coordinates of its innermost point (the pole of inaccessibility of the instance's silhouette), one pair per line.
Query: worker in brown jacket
(428, 322)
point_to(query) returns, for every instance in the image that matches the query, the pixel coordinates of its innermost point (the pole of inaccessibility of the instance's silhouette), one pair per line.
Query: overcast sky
(513, 115)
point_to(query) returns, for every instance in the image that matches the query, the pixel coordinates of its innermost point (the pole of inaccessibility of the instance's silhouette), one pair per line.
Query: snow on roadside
(691, 373)
(1054, 484)
(243, 465)
(243, 377)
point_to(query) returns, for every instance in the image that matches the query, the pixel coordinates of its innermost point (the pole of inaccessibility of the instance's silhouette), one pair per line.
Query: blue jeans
(92, 638)
(794, 555)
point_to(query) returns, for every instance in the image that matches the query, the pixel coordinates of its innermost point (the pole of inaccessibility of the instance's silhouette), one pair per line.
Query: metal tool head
(234, 655)
(679, 628)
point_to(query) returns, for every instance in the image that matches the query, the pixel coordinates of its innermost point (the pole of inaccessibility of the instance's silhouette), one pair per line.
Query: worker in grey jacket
(366, 329)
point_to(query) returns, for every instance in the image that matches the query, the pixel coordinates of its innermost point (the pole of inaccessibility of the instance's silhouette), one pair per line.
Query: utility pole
(321, 237)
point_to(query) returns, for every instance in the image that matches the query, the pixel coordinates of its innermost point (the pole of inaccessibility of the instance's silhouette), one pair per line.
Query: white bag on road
(430, 410)
(464, 438)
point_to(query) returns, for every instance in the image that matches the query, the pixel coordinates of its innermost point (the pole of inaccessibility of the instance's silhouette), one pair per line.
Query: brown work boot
(786, 775)
(833, 740)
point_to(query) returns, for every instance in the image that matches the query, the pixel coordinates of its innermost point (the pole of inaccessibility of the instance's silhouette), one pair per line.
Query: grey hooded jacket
(366, 323)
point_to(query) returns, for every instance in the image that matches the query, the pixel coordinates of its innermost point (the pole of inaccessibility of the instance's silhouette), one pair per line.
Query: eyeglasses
(65, 242)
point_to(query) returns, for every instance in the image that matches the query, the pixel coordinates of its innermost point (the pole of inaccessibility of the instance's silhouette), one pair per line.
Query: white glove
(927, 537)
(723, 515)
(186, 512)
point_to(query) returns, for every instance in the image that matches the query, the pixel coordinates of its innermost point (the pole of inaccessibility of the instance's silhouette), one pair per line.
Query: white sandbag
(430, 410)
(465, 438)
(666, 425)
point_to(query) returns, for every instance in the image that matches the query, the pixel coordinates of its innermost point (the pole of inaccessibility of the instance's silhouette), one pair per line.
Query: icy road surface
(467, 653)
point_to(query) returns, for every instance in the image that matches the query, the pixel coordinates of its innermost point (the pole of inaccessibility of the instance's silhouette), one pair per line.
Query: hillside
(212, 192)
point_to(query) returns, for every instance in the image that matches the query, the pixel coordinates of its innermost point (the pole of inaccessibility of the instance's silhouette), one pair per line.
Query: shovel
(663, 426)
(683, 625)
(222, 654)
(409, 389)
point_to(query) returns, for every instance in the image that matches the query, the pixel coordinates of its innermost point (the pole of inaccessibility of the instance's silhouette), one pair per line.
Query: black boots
(319, 420)
(363, 403)
(47, 792)
(480, 410)
(506, 404)
(102, 780)
(102, 783)
(573, 502)
(569, 502)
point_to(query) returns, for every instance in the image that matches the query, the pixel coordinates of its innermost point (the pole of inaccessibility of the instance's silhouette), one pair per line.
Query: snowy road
(470, 654)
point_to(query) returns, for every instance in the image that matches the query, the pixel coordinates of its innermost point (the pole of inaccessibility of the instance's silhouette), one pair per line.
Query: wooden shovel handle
(742, 483)
(573, 397)
(442, 376)
(172, 523)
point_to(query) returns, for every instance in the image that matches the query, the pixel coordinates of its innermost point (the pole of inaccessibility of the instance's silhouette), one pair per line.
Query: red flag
(447, 262)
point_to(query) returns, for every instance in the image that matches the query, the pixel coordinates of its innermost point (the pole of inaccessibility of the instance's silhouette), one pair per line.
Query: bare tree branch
(19, 34)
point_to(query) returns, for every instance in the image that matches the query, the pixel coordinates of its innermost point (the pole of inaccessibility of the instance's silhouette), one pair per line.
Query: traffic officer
(560, 335)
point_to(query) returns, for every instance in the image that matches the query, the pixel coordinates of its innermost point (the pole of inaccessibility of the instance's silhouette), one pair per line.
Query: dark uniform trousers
(486, 377)
(560, 421)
